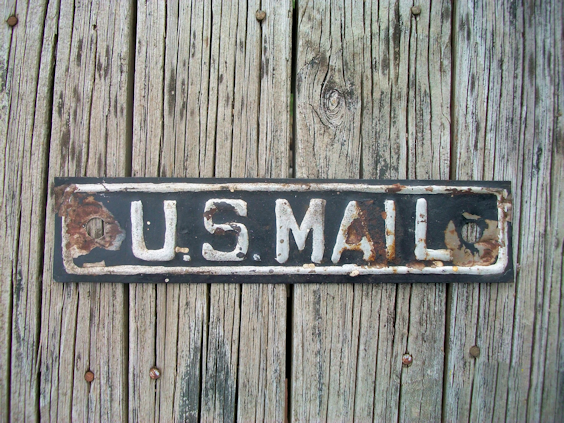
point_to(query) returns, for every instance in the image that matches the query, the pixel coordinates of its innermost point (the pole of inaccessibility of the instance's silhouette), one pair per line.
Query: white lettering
(352, 240)
(240, 251)
(390, 208)
(314, 220)
(138, 240)
(421, 250)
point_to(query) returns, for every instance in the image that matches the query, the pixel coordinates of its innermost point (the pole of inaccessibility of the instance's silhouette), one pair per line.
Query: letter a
(364, 243)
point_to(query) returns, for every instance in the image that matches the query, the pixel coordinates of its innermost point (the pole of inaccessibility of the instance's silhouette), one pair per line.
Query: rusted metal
(154, 373)
(475, 351)
(407, 360)
(174, 230)
(12, 20)
(77, 210)
(89, 376)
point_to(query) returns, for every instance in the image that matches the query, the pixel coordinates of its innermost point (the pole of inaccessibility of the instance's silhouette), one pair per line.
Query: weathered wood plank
(383, 330)
(537, 148)
(222, 345)
(179, 349)
(217, 67)
(26, 79)
(553, 373)
(328, 88)
(507, 99)
(408, 97)
(429, 146)
(262, 150)
(148, 119)
(83, 326)
(486, 118)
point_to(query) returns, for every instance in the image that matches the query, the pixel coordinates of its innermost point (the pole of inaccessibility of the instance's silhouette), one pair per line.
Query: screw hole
(95, 228)
(471, 232)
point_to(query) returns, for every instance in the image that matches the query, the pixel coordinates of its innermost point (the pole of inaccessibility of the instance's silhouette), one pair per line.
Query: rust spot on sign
(368, 224)
(77, 210)
(487, 246)
(395, 188)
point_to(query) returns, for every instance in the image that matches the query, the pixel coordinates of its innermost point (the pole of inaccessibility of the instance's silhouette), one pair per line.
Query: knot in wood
(333, 104)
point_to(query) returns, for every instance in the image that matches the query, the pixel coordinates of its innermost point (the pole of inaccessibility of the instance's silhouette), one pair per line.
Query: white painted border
(174, 187)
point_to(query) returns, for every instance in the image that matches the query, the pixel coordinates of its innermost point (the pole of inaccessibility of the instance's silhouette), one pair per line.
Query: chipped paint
(240, 251)
(313, 220)
(138, 246)
(359, 231)
(76, 210)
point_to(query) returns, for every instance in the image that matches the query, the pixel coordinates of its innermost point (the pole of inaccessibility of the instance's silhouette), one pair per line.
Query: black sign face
(290, 231)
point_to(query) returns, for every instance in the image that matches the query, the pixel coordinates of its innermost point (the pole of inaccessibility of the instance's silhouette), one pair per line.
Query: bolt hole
(95, 228)
(471, 232)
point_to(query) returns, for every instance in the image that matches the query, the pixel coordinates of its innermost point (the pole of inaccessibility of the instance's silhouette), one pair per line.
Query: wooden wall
(317, 89)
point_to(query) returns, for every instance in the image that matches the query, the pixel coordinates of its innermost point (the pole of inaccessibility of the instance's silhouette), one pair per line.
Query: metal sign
(250, 230)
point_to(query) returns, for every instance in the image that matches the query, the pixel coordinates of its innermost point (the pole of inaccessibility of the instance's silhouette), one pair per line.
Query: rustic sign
(247, 230)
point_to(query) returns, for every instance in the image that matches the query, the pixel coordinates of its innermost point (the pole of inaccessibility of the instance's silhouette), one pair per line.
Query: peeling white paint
(313, 220)
(390, 207)
(504, 211)
(240, 251)
(421, 250)
(138, 240)
(352, 212)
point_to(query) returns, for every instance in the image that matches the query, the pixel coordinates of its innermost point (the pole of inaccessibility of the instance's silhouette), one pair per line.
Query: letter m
(314, 219)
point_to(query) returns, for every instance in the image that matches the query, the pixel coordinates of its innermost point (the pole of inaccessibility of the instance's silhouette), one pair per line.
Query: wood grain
(325, 327)
(26, 78)
(264, 318)
(147, 317)
(83, 326)
(222, 350)
(429, 149)
(343, 106)
(486, 112)
(507, 98)
(384, 326)
(536, 146)
(203, 89)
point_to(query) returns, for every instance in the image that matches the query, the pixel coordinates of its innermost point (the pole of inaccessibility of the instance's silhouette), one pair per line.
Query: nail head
(407, 359)
(12, 20)
(154, 373)
(475, 351)
(261, 14)
(88, 376)
(416, 10)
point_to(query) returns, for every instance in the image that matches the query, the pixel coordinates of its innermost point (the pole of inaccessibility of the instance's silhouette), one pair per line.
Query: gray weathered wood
(507, 100)
(325, 326)
(202, 89)
(266, 77)
(385, 76)
(83, 326)
(328, 383)
(26, 78)
(148, 109)
(223, 85)
(537, 147)
(429, 146)
(486, 111)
